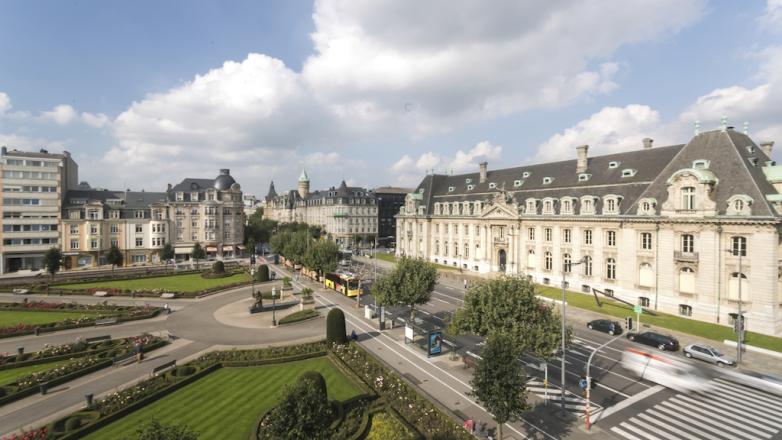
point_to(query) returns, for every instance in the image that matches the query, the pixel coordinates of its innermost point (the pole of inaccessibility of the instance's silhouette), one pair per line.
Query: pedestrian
(353, 335)
(465, 283)
(167, 309)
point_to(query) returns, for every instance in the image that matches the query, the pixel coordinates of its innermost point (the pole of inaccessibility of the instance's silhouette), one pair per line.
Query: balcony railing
(686, 257)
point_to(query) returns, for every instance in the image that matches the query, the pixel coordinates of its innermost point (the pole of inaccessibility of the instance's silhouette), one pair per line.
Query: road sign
(638, 309)
(582, 384)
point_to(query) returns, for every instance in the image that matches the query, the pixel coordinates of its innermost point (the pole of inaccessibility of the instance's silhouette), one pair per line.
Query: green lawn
(392, 259)
(226, 403)
(10, 375)
(176, 283)
(662, 320)
(11, 318)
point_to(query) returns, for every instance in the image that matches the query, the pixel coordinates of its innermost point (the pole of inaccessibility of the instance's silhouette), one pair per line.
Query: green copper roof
(773, 173)
(304, 177)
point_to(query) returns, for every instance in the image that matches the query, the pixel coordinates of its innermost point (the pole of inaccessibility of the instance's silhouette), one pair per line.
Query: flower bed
(187, 284)
(414, 409)
(81, 363)
(96, 311)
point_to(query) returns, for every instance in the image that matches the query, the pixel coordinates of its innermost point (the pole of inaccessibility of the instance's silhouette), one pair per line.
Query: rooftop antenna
(724, 123)
(697, 127)
(746, 127)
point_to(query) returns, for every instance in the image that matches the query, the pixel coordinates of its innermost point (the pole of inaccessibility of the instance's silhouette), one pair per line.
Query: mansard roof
(130, 199)
(631, 175)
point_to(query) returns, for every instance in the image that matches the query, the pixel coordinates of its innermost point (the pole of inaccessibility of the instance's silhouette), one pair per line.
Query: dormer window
(547, 180)
(739, 204)
(628, 172)
(647, 206)
(180, 197)
(468, 180)
(688, 198)
(566, 207)
(701, 164)
(421, 191)
(613, 164)
(194, 197)
(583, 177)
(518, 183)
(525, 174)
(750, 149)
(492, 185)
(753, 161)
(548, 207)
(531, 209)
(451, 189)
(470, 187)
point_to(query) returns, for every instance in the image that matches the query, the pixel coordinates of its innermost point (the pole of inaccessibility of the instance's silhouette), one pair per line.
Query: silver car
(709, 354)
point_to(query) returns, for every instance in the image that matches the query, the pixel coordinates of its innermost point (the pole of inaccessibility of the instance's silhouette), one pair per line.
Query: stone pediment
(499, 211)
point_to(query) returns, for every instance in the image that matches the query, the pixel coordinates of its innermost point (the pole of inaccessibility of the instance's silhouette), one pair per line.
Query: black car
(605, 326)
(662, 342)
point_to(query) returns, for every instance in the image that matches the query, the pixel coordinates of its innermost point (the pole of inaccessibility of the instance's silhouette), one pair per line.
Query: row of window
(29, 228)
(13, 201)
(32, 163)
(32, 175)
(28, 241)
(43, 189)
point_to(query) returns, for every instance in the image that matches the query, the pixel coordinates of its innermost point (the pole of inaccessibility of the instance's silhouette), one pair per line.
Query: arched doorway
(501, 259)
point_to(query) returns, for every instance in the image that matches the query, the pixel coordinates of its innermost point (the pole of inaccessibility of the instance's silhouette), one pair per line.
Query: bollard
(42, 388)
(88, 397)
(19, 353)
(37, 330)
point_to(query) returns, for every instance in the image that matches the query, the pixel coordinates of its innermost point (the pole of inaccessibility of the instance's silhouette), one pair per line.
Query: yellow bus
(342, 283)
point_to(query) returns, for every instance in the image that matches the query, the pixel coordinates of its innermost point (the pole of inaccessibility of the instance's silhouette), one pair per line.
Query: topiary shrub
(316, 380)
(73, 423)
(262, 274)
(218, 267)
(187, 370)
(335, 327)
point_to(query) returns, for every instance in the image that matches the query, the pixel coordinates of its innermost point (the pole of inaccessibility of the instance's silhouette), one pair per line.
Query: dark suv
(605, 326)
(662, 342)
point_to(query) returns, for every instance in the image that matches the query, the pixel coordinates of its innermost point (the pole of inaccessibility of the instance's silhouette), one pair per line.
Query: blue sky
(376, 92)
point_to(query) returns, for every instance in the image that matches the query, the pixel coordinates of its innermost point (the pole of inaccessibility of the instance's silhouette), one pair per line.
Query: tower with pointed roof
(304, 185)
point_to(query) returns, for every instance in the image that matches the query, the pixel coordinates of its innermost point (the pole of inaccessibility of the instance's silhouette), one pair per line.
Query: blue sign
(582, 384)
(435, 342)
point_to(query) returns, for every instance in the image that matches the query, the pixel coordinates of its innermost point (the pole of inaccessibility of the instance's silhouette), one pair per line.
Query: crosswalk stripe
(712, 406)
(683, 427)
(651, 428)
(706, 419)
(736, 406)
(673, 414)
(724, 418)
(761, 396)
(746, 404)
(637, 431)
(624, 433)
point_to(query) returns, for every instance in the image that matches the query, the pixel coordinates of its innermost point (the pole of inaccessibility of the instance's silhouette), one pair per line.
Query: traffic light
(252, 260)
(738, 324)
(629, 322)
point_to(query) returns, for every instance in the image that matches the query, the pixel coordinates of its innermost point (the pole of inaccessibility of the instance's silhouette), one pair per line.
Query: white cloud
(403, 164)
(610, 130)
(772, 19)
(5, 103)
(409, 172)
(62, 114)
(468, 161)
(96, 120)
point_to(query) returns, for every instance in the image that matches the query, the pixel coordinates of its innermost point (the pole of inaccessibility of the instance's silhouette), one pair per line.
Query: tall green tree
(509, 305)
(251, 245)
(198, 253)
(499, 380)
(303, 414)
(167, 254)
(410, 283)
(114, 256)
(52, 259)
(322, 256)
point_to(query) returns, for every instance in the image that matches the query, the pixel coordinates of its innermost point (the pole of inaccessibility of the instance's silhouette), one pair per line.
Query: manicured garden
(11, 375)
(187, 283)
(702, 329)
(13, 318)
(236, 397)
(299, 316)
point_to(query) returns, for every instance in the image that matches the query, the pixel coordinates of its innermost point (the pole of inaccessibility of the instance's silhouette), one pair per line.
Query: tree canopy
(167, 253)
(114, 256)
(509, 305)
(304, 413)
(52, 259)
(499, 380)
(198, 253)
(411, 282)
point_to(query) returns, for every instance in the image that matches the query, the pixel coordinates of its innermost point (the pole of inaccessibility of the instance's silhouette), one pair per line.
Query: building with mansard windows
(347, 214)
(683, 229)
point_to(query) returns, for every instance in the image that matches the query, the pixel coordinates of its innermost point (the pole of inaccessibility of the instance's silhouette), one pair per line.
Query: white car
(709, 354)
(664, 370)
(762, 381)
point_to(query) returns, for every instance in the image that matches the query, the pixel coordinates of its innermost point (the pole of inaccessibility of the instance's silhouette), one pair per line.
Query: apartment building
(348, 215)
(33, 186)
(683, 229)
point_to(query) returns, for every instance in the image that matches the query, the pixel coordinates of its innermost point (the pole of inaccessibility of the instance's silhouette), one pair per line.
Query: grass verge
(299, 316)
(10, 375)
(12, 317)
(176, 283)
(701, 329)
(226, 403)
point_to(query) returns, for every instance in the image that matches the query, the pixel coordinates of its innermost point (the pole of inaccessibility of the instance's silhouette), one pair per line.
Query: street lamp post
(274, 306)
(740, 318)
(589, 378)
(564, 325)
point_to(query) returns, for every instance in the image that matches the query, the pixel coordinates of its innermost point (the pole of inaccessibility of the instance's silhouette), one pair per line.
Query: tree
(322, 256)
(52, 259)
(114, 256)
(335, 327)
(411, 282)
(218, 267)
(251, 245)
(304, 413)
(509, 305)
(167, 254)
(197, 253)
(499, 379)
(154, 430)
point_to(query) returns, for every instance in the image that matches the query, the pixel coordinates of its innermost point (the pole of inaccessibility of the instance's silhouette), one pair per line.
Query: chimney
(169, 187)
(767, 146)
(483, 166)
(648, 143)
(225, 171)
(582, 163)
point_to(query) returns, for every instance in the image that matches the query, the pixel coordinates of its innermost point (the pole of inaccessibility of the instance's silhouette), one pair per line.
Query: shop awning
(211, 249)
(182, 251)
(241, 247)
(228, 248)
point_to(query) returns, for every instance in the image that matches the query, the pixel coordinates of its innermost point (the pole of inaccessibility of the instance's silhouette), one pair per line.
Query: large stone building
(207, 211)
(33, 186)
(681, 229)
(348, 215)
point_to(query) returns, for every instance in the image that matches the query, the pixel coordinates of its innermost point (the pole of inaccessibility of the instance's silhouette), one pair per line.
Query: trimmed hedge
(262, 274)
(302, 315)
(88, 323)
(335, 327)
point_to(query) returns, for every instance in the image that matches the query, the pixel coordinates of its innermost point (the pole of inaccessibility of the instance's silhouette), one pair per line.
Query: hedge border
(45, 360)
(282, 321)
(91, 323)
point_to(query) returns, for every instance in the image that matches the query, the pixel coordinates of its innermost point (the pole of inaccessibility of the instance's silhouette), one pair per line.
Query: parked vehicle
(605, 326)
(662, 342)
(709, 354)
